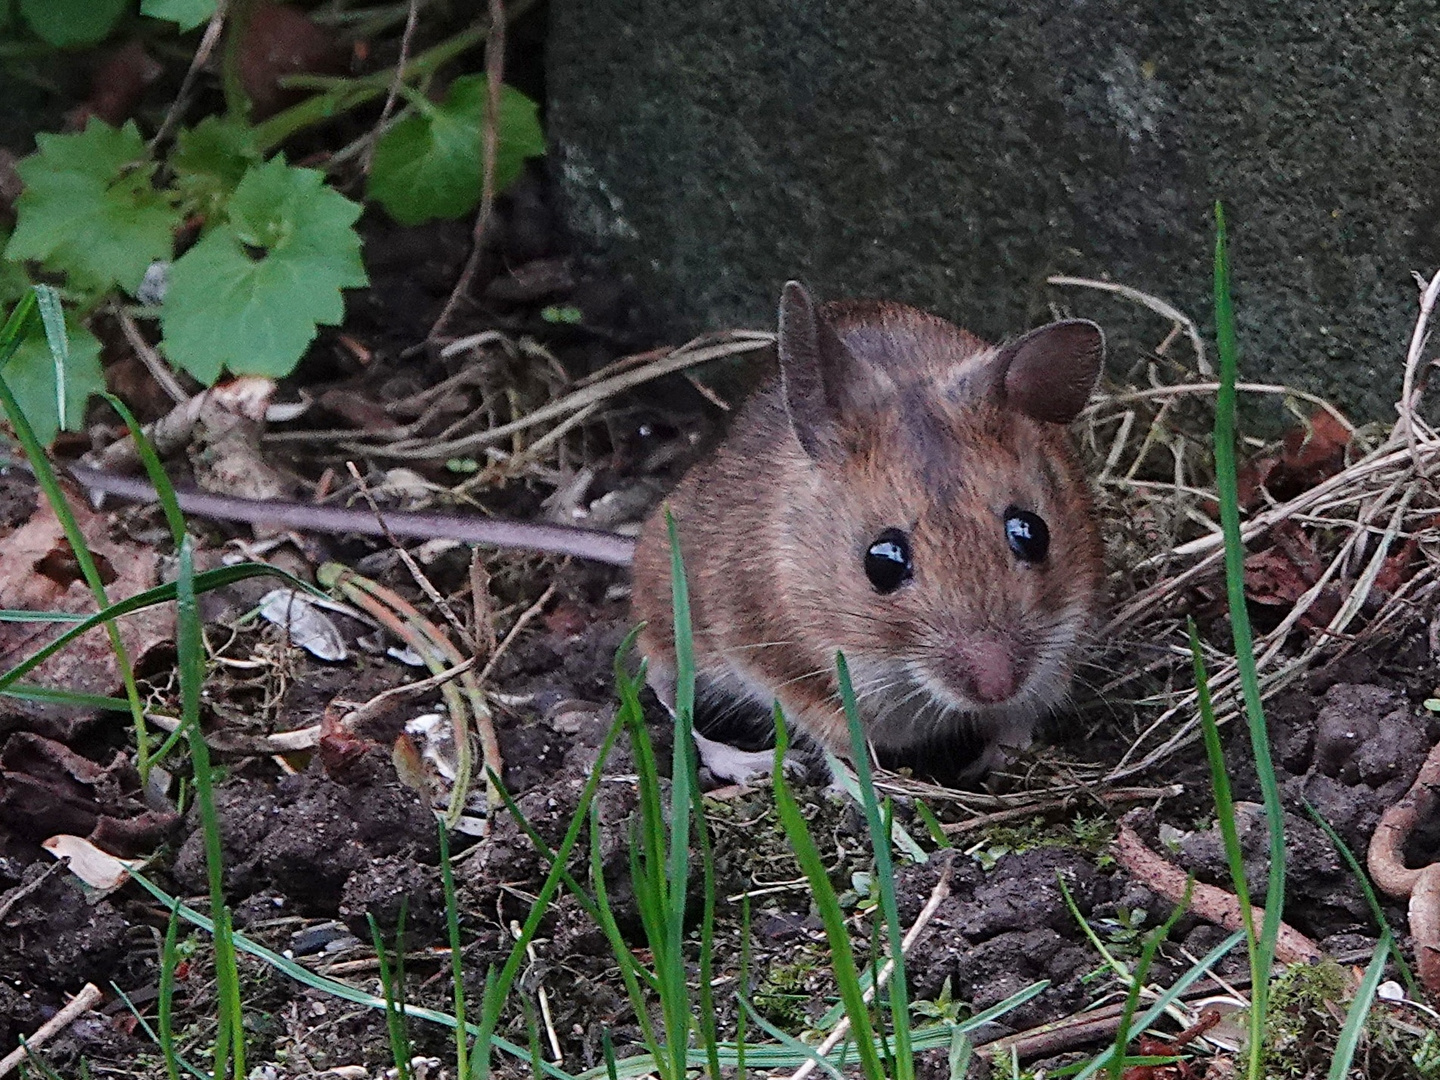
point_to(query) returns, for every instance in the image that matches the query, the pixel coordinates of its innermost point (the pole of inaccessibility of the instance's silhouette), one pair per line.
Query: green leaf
(186, 14)
(209, 162)
(249, 295)
(64, 23)
(31, 375)
(428, 165)
(89, 209)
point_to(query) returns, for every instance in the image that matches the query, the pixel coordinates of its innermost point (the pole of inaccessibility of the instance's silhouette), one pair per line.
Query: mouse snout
(988, 670)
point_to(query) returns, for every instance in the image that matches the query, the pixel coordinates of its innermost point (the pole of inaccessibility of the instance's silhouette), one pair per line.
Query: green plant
(1262, 944)
(106, 213)
(68, 23)
(392, 980)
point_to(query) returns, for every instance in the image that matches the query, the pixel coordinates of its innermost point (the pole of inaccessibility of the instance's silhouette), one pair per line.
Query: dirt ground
(311, 850)
(313, 847)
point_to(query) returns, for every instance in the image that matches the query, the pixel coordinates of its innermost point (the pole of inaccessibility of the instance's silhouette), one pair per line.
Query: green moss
(1307, 1008)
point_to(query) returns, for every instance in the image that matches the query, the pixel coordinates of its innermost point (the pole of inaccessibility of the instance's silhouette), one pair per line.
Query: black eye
(1027, 534)
(887, 561)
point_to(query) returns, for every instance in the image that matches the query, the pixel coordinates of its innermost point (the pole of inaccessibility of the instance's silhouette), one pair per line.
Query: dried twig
(838, 1033)
(1216, 905)
(495, 76)
(88, 997)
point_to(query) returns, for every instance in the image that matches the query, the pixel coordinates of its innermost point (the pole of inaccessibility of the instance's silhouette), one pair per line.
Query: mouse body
(905, 494)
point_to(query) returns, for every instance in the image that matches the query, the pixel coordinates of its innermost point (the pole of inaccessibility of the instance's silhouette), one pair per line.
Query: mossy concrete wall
(953, 154)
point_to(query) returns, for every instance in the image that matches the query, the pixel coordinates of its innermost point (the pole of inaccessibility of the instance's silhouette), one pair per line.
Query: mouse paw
(732, 765)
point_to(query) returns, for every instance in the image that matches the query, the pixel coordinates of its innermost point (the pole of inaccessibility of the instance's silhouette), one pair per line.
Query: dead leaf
(47, 788)
(38, 572)
(96, 868)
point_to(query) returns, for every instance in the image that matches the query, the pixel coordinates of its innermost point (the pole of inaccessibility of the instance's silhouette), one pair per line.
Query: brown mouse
(904, 493)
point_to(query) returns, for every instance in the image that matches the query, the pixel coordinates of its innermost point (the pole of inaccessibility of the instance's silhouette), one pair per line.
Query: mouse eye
(1027, 534)
(887, 561)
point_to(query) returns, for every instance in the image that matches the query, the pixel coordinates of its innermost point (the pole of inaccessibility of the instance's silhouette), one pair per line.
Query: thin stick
(159, 370)
(686, 356)
(1408, 395)
(937, 897)
(202, 55)
(80, 1004)
(1154, 303)
(494, 76)
(393, 93)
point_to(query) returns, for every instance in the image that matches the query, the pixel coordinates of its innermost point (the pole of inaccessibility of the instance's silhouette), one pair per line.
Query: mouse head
(957, 564)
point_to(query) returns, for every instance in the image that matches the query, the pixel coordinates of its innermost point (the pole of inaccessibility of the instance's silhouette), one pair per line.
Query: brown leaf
(280, 40)
(46, 788)
(39, 572)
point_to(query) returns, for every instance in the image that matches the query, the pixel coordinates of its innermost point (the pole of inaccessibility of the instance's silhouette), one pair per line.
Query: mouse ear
(820, 378)
(1048, 374)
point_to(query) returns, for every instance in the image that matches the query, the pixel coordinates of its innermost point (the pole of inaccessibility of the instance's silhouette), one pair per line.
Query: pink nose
(988, 671)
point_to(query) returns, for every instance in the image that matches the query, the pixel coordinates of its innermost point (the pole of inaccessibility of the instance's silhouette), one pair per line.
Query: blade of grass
(52, 317)
(457, 959)
(205, 581)
(794, 1045)
(497, 994)
(630, 970)
(159, 478)
(1224, 803)
(153, 1035)
(582, 897)
(1354, 1028)
(393, 989)
(1227, 486)
(190, 659)
(842, 958)
(103, 702)
(1142, 970)
(1163, 1002)
(904, 1057)
(334, 987)
(169, 961)
(42, 298)
(1412, 987)
(675, 988)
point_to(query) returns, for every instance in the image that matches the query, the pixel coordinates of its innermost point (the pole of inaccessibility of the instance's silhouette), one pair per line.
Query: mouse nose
(988, 670)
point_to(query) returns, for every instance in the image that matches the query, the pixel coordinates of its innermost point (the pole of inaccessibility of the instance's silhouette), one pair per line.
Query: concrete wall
(953, 154)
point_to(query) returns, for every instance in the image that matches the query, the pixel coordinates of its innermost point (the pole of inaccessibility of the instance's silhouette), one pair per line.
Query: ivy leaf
(428, 165)
(64, 23)
(209, 162)
(251, 293)
(89, 209)
(186, 14)
(31, 375)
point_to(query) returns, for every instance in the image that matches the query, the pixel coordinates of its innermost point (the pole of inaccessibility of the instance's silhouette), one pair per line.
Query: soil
(317, 845)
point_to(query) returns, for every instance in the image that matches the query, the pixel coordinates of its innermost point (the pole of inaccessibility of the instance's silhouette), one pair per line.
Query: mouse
(902, 492)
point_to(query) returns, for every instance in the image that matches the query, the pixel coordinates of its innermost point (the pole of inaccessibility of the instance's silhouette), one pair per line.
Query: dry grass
(1155, 479)
(1150, 445)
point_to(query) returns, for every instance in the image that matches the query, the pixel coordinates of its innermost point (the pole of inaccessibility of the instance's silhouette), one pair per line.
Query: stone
(952, 155)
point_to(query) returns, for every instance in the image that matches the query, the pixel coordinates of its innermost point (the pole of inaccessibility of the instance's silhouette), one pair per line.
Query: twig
(688, 355)
(838, 1033)
(1408, 394)
(1145, 794)
(15, 895)
(556, 1053)
(393, 93)
(78, 1006)
(160, 371)
(494, 76)
(1214, 904)
(1154, 303)
(202, 55)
